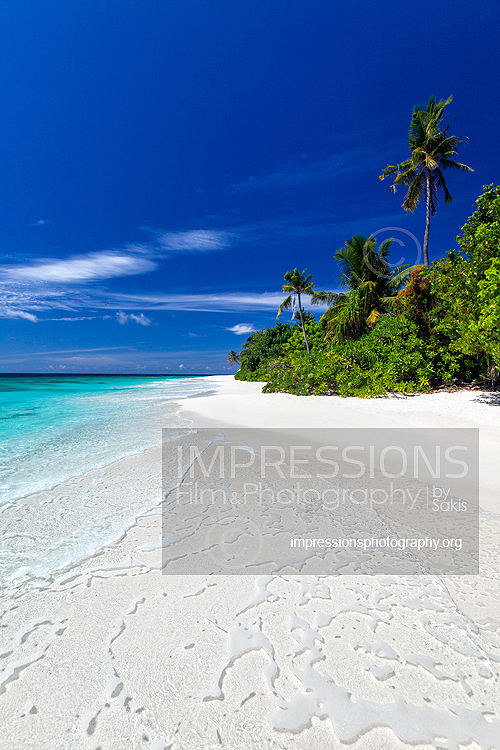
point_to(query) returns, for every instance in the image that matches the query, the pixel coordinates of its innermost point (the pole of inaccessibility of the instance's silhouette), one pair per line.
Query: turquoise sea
(54, 428)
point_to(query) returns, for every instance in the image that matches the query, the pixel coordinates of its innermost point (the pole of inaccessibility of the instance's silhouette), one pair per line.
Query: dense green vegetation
(401, 331)
(395, 329)
(372, 284)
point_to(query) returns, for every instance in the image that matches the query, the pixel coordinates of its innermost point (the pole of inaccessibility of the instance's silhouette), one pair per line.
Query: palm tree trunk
(427, 218)
(303, 326)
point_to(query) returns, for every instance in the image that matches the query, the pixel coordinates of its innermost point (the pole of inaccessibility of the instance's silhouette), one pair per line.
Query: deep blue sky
(164, 162)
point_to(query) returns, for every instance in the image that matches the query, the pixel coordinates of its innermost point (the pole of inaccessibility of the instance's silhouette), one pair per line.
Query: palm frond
(452, 164)
(449, 144)
(373, 317)
(415, 191)
(431, 149)
(401, 273)
(324, 298)
(285, 305)
(441, 183)
(388, 171)
(384, 250)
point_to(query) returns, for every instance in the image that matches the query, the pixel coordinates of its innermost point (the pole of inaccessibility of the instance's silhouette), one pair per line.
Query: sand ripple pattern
(114, 655)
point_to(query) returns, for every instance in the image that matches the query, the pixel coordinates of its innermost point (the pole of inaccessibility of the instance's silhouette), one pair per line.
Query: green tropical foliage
(261, 347)
(489, 317)
(400, 330)
(298, 285)
(480, 238)
(372, 285)
(465, 313)
(431, 154)
(390, 358)
(395, 329)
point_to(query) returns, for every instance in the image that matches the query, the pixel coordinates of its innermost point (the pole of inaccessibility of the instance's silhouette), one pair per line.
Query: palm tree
(233, 358)
(431, 151)
(371, 283)
(298, 285)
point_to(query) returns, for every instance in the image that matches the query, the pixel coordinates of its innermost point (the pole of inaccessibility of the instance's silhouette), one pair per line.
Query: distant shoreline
(110, 374)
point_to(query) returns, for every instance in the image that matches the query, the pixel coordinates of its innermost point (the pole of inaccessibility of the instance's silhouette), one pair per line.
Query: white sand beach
(244, 405)
(116, 653)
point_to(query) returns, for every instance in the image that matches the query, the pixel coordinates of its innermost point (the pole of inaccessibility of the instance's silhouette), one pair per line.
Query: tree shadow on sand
(492, 398)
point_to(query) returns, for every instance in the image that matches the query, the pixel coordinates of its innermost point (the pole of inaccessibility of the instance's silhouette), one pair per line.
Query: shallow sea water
(62, 430)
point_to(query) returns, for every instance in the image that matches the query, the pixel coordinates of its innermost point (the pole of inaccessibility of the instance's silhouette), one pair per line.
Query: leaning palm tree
(233, 357)
(371, 283)
(431, 152)
(297, 285)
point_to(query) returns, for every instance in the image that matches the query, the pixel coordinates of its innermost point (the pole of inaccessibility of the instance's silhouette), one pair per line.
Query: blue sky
(165, 162)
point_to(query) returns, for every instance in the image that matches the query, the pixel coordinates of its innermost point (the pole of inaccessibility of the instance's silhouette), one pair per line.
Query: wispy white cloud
(40, 300)
(29, 295)
(132, 259)
(226, 302)
(82, 268)
(123, 318)
(304, 172)
(64, 283)
(194, 240)
(82, 317)
(297, 173)
(240, 329)
(39, 223)
(43, 353)
(141, 319)
(8, 312)
(72, 299)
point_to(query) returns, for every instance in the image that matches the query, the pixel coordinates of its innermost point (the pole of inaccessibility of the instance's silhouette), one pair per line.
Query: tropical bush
(260, 347)
(372, 284)
(391, 357)
(480, 238)
(466, 294)
(442, 327)
(316, 333)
